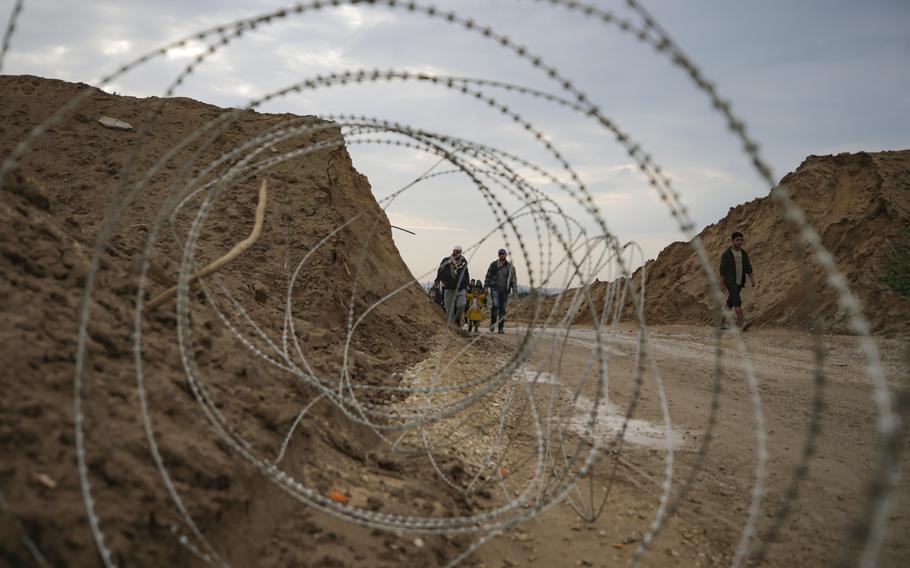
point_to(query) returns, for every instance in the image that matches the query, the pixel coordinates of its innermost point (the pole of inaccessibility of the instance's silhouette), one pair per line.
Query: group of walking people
(464, 299)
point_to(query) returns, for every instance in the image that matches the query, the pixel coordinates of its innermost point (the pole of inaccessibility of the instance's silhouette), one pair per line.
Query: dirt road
(708, 526)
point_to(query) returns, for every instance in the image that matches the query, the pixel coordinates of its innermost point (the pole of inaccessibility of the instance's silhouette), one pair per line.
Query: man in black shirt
(734, 268)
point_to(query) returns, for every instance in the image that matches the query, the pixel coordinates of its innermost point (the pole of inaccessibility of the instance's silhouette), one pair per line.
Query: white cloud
(700, 173)
(304, 61)
(606, 199)
(426, 69)
(48, 56)
(591, 174)
(190, 49)
(356, 18)
(351, 16)
(245, 90)
(115, 46)
(328, 59)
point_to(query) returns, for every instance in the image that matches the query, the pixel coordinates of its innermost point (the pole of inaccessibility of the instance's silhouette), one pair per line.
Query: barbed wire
(559, 459)
(10, 30)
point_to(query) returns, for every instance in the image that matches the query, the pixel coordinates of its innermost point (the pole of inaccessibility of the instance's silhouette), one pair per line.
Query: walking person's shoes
(492, 327)
(747, 325)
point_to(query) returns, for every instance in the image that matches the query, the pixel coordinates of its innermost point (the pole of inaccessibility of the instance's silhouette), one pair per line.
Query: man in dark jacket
(734, 268)
(500, 280)
(453, 273)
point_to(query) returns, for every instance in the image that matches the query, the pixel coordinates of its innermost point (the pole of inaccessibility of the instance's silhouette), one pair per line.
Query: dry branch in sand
(220, 263)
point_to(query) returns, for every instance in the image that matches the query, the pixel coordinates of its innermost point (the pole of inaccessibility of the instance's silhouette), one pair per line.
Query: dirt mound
(51, 211)
(860, 206)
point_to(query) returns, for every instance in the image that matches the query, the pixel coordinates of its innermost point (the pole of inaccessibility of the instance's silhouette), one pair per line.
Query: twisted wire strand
(10, 30)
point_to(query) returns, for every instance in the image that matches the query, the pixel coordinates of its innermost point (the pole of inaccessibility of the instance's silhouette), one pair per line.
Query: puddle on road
(609, 419)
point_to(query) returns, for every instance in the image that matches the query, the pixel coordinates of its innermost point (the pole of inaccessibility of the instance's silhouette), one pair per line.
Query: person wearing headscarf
(453, 273)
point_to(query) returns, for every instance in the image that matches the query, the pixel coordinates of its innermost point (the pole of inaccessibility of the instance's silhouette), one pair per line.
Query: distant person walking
(440, 298)
(734, 268)
(453, 273)
(500, 280)
(435, 295)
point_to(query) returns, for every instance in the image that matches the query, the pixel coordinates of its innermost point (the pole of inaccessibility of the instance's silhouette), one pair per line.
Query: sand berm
(51, 210)
(860, 206)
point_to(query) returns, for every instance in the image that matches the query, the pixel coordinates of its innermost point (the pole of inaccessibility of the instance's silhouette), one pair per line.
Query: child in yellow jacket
(477, 297)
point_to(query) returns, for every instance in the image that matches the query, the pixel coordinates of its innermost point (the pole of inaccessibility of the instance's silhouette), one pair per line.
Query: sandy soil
(707, 528)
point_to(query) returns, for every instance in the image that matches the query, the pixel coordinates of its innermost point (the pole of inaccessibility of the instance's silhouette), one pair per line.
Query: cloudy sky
(808, 77)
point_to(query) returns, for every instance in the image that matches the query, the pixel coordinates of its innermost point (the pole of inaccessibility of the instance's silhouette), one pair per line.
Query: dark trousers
(734, 297)
(499, 298)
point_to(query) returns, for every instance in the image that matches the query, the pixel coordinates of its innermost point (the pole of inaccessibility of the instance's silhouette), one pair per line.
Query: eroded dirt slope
(51, 211)
(858, 203)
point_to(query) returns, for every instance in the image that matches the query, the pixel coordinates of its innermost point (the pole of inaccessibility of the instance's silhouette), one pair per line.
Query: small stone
(374, 503)
(45, 481)
(260, 293)
(115, 123)
(418, 542)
